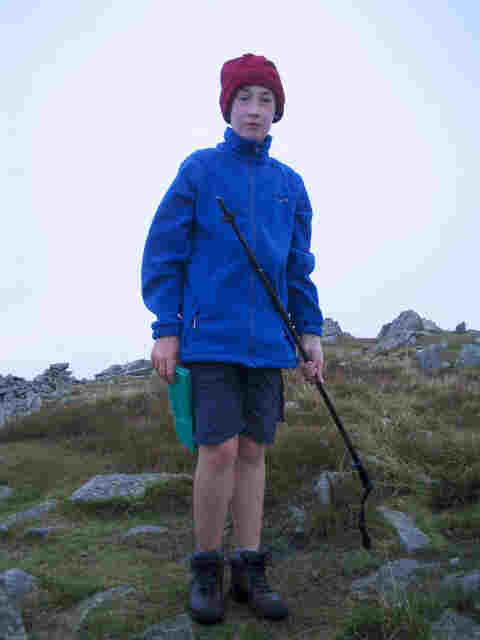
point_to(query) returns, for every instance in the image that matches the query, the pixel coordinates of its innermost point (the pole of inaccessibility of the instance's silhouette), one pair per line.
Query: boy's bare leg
(212, 492)
(249, 489)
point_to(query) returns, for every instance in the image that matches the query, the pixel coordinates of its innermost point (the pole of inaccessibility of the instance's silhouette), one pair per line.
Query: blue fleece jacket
(196, 277)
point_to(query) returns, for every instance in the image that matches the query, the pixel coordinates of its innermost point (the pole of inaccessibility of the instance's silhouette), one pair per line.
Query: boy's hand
(313, 368)
(165, 356)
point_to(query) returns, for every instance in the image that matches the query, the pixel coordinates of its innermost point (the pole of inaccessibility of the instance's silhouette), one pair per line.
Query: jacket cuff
(314, 330)
(164, 330)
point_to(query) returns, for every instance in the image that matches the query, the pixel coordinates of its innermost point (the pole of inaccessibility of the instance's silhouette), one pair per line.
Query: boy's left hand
(312, 369)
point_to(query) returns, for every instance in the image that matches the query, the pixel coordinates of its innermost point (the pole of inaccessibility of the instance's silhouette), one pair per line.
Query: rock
(29, 514)
(298, 514)
(11, 624)
(453, 626)
(430, 358)
(136, 368)
(114, 370)
(144, 529)
(469, 356)
(69, 623)
(461, 328)
(5, 492)
(322, 489)
(331, 331)
(384, 331)
(178, 628)
(406, 321)
(39, 532)
(430, 327)
(469, 583)
(19, 397)
(325, 483)
(121, 485)
(392, 579)
(411, 538)
(291, 405)
(17, 584)
(86, 606)
(401, 332)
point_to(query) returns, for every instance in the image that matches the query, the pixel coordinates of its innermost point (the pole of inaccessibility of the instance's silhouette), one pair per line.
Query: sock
(236, 553)
(198, 552)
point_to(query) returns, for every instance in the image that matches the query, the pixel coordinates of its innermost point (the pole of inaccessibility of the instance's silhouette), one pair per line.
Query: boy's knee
(249, 451)
(220, 457)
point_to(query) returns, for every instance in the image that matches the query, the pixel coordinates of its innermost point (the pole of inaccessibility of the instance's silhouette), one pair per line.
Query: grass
(381, 621)
(417, 436)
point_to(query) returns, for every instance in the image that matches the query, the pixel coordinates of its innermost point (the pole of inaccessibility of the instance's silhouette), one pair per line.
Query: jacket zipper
(195, 320)
(252, 275)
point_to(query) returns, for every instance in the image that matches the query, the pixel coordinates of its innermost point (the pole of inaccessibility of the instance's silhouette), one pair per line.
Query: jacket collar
(247, 147)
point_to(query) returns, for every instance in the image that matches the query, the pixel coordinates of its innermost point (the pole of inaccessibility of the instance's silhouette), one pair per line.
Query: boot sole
(205, 619)
(242, 597)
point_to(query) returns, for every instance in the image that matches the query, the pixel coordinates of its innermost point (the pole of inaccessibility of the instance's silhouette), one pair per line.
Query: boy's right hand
(165, 356)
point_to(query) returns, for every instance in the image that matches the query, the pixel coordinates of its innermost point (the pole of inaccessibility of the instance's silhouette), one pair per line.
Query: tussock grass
(383, 621)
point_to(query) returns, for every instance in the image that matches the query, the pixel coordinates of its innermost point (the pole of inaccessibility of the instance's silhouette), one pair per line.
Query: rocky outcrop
(136, 368)
(403, 332)
(399, 333)
(331, 331)
(20, 397)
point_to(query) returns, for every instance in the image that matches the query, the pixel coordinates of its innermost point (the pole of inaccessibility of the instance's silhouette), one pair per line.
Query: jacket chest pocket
(282, 218)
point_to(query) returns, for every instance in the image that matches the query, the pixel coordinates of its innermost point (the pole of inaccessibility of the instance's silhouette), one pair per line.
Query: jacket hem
(257, 363)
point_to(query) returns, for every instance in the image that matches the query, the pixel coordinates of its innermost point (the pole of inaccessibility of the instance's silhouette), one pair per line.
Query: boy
(215, 317)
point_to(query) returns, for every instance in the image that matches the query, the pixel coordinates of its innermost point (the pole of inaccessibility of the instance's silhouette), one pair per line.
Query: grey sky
(103, 100)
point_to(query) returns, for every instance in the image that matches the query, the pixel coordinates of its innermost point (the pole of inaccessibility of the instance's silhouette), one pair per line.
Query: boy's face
(253, 105)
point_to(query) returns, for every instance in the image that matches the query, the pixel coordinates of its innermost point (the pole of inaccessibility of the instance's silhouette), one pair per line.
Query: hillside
(114, 564)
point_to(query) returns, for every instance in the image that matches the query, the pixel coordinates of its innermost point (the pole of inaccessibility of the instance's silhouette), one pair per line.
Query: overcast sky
(101, 102)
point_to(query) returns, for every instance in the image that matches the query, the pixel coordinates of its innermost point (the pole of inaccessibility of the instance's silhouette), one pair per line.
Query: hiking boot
(249, 584)
(205, 601)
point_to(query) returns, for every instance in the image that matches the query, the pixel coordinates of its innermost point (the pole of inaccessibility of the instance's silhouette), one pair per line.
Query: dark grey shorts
(231, 399)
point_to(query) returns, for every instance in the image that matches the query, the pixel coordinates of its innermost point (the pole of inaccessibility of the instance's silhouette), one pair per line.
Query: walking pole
(357, 463)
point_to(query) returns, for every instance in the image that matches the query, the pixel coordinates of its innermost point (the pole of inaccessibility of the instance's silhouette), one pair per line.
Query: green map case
(180, 394)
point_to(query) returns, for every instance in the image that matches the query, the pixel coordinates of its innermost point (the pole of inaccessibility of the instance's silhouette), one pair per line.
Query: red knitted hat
(250, 69)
